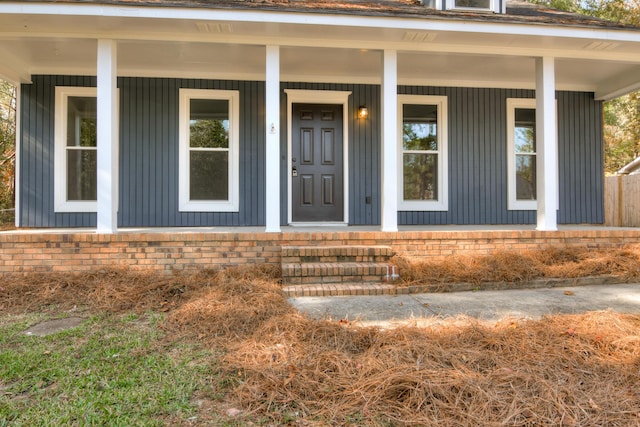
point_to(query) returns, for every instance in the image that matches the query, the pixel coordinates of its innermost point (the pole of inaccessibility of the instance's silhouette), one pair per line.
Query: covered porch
(308, 60)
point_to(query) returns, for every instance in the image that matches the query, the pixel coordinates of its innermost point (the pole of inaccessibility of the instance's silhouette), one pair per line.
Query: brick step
(316, 269)
(311, 273)
(313, 254)
(339, 289)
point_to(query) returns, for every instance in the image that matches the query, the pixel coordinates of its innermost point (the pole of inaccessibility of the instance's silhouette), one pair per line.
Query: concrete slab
(482, 305)
(53, 326)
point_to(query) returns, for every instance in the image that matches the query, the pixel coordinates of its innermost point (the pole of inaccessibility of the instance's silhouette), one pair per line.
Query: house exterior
(271, 113)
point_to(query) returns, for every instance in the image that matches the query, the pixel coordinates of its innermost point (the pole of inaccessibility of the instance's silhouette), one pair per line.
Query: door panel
(306, 189)
(306, 146)
(317, 159)
(328, 190)
(328, 147)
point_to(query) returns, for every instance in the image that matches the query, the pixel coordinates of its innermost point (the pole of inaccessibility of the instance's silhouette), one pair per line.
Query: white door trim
(298, 96)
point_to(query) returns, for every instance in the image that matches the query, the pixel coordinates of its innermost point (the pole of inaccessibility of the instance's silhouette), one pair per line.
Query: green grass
(109, 371)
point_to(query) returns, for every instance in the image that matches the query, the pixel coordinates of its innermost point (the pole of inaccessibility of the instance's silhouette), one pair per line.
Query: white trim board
(442, 203)
(61, 203)
(512, 203)
(17, 170)
(279, 17)
(233, 202)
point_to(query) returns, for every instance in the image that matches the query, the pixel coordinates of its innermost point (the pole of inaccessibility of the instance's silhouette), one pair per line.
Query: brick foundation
(176, 251)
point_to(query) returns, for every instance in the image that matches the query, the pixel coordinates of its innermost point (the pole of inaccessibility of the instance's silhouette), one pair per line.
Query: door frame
(298, 96)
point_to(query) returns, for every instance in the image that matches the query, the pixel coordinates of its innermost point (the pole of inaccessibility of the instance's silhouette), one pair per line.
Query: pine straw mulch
(282, 367)
(513, 267)
(561, 370)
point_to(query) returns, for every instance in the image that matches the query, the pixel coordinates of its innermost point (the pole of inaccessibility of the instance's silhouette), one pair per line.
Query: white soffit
(294, 29)
(316, 47)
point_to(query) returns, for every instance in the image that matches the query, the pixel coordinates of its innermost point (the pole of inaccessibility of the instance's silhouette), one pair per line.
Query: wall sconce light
(363, 112)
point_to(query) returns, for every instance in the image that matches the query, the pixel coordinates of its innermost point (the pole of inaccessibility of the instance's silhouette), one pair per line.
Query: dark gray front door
(317, 163)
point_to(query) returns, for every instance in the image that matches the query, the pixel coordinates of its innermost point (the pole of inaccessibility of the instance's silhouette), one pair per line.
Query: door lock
(294, 171)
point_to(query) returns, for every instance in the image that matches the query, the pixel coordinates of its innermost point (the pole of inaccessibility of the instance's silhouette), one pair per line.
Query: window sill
(77, 207)
(523, 205)
(425, 206)
(209, 207)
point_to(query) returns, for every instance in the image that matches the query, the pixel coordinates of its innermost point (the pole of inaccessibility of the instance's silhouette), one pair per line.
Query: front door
(317, 163)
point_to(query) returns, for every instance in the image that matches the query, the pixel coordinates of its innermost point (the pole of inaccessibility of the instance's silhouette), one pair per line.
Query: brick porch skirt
(29, 252)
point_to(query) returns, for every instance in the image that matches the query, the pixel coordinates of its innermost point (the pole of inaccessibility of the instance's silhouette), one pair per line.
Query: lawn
(111, 370)
(225, 348)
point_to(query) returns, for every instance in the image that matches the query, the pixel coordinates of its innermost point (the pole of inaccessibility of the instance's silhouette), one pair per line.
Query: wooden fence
(622, 201)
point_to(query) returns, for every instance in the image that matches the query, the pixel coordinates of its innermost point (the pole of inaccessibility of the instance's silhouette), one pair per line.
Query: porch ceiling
(430, 53)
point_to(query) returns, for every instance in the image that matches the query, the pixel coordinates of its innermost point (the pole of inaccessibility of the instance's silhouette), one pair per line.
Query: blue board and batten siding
(478, 158)
(149, 155)
(37, 153)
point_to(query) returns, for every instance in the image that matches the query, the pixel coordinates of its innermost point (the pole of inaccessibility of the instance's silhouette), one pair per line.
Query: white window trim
(493, 6)
(233, 203)
(513, 204)
(442, 204)
(61, 204)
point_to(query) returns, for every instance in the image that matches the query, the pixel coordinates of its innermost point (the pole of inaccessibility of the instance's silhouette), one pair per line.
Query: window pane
(209, 175)
(209, 123)
(480, 4)
(525, 177)
(420, 176)
(81, 175)
(419, 127)
(525, 135)
(81, 121)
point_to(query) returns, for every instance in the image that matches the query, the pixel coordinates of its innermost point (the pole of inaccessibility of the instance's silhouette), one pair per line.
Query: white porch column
(107, 133)
(272, 117)
(389, 102)
(546, 144)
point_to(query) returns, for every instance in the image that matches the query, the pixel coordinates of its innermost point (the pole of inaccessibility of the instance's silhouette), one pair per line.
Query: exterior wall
(581, 159)
(171, 252)
(478, 158)
(37, 119)
(149, 155)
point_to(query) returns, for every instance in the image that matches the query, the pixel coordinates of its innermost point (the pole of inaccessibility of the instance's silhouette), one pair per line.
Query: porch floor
(319, 229)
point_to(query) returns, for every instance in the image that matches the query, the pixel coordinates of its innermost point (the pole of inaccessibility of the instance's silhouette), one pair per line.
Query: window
(209, 157)
(521, 140)
(486, 5)
(75, 179)
(522, 154)
(422, 159)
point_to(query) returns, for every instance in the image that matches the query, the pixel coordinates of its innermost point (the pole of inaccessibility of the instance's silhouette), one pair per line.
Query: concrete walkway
(491, 306)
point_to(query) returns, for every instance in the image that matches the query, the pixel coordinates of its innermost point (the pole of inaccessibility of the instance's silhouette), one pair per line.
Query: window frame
(61, 203)
(513, 203)
(442, 204)
(494, 6)
(232, 204)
